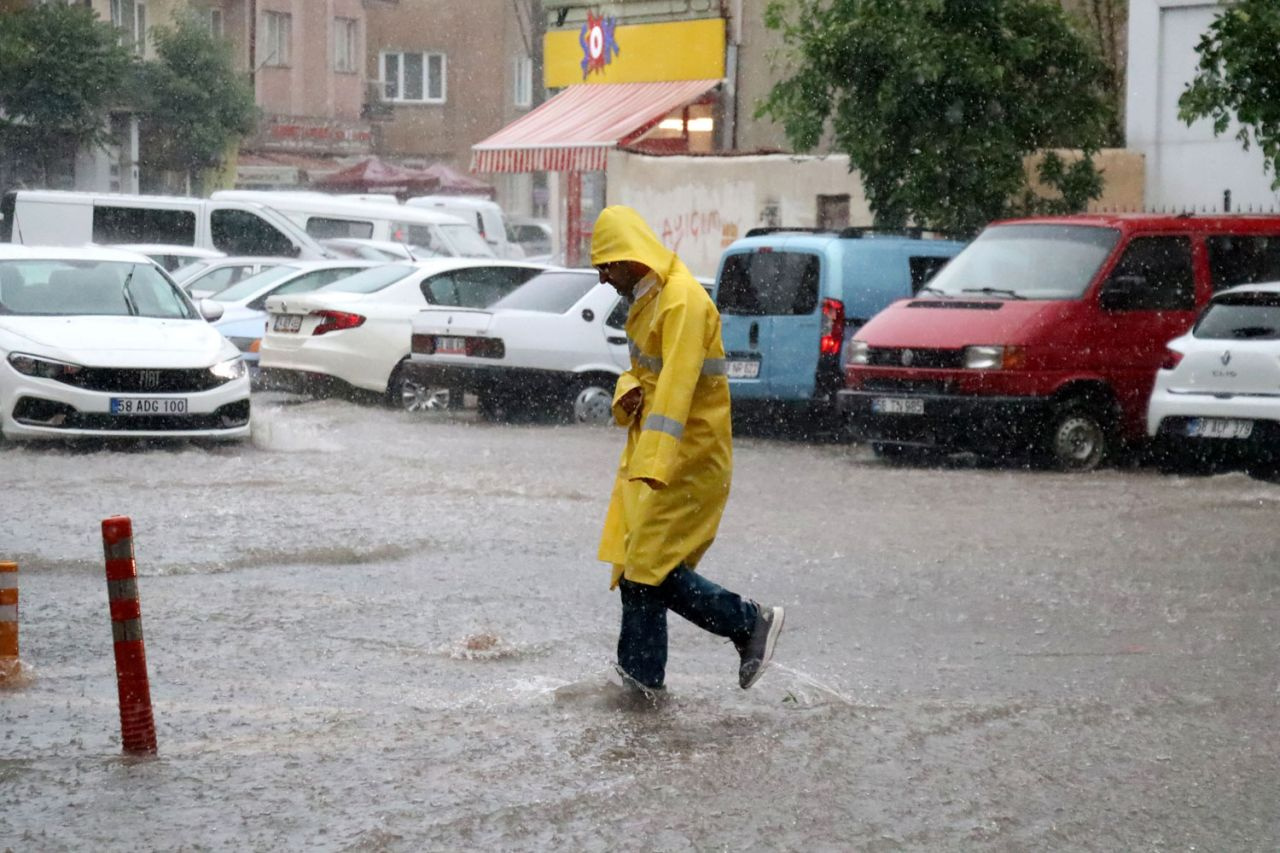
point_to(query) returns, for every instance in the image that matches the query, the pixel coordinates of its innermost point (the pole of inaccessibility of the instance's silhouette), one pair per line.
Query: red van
(1045, 334)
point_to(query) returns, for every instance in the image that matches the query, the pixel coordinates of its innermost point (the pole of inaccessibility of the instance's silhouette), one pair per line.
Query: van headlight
(232, 368)
(995, 357)
(859, 352)
(43, 368)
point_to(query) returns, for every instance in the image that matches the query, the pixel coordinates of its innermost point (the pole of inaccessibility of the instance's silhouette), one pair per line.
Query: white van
(485, 215)
(326, 217)
(64, 218)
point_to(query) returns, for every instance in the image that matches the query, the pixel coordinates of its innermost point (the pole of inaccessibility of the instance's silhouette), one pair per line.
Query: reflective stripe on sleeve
(715, 366)
(662, 423)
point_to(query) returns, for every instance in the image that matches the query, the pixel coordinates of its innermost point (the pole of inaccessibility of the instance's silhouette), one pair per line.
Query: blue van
(790, 298)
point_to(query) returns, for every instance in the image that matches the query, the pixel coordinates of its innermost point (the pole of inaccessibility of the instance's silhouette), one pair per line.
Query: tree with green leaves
(938, 102)
(1238, 78)
(194, 103)
(61, 73)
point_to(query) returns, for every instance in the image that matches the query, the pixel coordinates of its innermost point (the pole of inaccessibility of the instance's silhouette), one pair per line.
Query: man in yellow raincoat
(673, 480)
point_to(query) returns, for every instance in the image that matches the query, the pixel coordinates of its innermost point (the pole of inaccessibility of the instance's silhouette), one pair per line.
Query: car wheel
(406, 393)
(592, 404)
(1076, 437)
(1266, 470)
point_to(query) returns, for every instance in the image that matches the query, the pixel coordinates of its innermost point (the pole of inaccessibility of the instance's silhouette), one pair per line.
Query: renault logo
(1226, 357)
(149, 379)
(908, 357)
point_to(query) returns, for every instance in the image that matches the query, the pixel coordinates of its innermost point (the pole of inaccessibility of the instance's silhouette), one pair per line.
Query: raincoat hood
(622, 235)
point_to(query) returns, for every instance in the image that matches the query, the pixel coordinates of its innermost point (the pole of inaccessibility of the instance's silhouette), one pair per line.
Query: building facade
(1188, 167)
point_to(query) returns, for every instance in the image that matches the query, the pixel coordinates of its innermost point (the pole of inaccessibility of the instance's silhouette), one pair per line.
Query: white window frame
(277, 30)
(140, 28)
(346, 45)
(217, 22)
(522, 81)
(427, 57)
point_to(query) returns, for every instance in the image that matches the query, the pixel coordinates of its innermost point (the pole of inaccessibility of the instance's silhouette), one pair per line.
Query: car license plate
(148, 405)
(743, 369)
(288, 322)
(1219, 428)
(897, 405)
(446, 345)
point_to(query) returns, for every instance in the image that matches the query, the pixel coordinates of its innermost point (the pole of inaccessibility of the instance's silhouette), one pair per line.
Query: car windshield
(467, 241)
(192, 269)
(1027, 261)
(549, 292)
(247, 287)
(372, 279)
(72, 287)
(1248, 315)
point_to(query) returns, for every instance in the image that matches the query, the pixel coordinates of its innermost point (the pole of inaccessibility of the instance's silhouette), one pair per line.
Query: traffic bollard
(137, 723)
(10, 666)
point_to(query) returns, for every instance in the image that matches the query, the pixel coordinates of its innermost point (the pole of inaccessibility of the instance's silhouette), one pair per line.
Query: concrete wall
(1123, 174)
(698, 205)
(1186, 166)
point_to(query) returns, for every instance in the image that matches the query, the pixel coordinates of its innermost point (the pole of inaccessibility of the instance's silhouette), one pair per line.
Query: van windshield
(1027, 261)
(467, 241)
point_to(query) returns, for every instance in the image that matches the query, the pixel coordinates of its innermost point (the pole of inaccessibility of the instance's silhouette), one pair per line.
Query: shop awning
(574, 131)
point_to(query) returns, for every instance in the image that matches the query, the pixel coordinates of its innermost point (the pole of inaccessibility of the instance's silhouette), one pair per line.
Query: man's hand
(632, 401)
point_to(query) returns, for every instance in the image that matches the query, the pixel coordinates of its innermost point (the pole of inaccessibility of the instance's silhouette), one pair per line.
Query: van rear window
(769, 283)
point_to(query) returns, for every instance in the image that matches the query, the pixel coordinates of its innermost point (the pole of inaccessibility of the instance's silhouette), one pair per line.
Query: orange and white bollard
(9, 663)
(137, 724)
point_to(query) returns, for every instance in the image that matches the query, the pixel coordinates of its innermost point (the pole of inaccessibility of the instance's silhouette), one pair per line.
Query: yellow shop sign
(603, 52)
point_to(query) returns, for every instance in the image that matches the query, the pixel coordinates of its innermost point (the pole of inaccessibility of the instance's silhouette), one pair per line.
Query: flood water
(370, 630)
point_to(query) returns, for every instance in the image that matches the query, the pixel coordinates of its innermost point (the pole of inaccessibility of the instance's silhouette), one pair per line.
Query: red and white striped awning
(574, 131)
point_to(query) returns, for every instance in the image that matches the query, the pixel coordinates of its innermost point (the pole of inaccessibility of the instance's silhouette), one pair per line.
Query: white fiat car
(1218, 391)
(553, 348)
(354, 333)
(100, 342)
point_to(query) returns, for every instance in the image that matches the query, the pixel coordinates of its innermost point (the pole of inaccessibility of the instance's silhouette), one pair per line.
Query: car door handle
(753, 338)
(614, 339)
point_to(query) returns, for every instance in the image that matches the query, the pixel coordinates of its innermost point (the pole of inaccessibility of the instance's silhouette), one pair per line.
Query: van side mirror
(210, 310)
(1121, 291)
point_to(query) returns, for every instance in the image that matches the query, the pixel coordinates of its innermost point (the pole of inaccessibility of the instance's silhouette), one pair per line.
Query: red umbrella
(373, 174)
(452, 182)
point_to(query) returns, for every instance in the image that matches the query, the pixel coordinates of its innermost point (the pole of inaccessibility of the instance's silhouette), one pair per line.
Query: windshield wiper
(128, 294)
(995, 291)
(1252, 332)
(928, 289)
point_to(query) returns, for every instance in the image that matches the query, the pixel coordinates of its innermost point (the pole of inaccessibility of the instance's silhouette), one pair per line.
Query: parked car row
(1045, 336)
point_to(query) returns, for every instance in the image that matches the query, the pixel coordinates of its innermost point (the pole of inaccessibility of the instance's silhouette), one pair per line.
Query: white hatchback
(355, 332)
(554, 347)
(1218, 390)
(100, 342)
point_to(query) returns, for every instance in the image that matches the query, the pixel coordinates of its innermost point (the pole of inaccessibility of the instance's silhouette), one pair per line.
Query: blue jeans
(642, 642)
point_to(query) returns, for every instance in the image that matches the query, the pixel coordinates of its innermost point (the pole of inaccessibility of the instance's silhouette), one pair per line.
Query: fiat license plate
(450, 345)
(897, 405)
(743, 369)
(288, 322)
(148, 405)
(1219, 428)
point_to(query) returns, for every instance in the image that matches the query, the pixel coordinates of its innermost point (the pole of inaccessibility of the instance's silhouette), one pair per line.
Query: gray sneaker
(757, 651)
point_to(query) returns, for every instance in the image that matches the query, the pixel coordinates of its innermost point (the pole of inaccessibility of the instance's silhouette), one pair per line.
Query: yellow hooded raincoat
(681, 439)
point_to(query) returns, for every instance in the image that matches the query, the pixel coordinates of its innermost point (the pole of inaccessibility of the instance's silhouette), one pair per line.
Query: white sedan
(554, 347)
(1218, 391)
(355, 332)
(100, 342)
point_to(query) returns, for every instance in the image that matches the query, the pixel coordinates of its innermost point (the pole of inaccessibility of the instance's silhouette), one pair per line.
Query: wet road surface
(370, 630)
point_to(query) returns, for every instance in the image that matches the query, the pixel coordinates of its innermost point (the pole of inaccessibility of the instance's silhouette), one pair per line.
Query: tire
(591, 402)
(407, 394)
(1077, 438)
